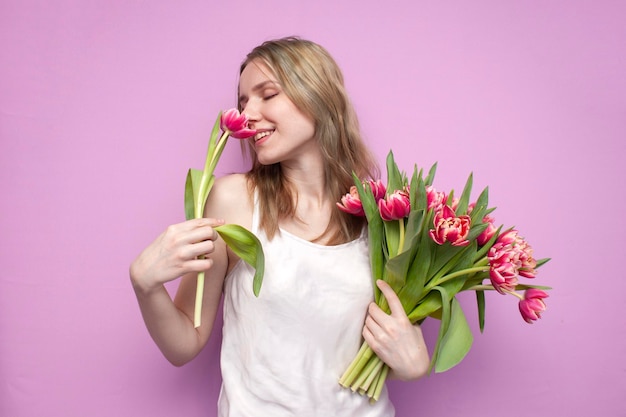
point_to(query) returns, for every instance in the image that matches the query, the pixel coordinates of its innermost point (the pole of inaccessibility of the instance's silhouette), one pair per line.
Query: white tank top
(284, 352)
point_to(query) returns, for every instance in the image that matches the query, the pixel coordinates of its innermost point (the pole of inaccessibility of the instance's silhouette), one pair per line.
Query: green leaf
(248, 247)
(413, 290)
(542, 261)
(374, 229)
(215, 134)
(397, 267)
(480, 207)
(192, 185)
(465, 196)
(457, 340)
(485, 248)
(426, 307)
(480, 303)
(461, 261)
(447, 256)
(431, 175)
(395, 178)
(392, 237)
(443, 327)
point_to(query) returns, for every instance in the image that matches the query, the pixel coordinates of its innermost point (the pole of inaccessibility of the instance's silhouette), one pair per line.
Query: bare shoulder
(230, 200)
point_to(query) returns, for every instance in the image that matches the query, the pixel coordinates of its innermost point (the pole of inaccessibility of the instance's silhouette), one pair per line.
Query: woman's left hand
(394, 339)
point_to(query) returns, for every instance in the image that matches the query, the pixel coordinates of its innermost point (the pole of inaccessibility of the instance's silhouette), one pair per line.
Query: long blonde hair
(311, 78)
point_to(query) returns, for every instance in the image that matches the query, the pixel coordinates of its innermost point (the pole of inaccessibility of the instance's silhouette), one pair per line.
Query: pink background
(104, 105)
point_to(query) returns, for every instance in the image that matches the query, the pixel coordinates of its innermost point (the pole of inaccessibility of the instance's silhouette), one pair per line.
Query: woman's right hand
(175, 253)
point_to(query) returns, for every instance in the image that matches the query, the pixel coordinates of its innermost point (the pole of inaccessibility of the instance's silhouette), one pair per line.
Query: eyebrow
(258, 87)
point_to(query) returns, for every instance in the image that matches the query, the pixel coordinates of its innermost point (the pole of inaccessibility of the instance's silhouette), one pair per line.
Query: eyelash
(270, 96)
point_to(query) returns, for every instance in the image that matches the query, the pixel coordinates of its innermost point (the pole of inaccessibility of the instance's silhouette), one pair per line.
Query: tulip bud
(236, 124)
(532, 305)
(395, 207)
(351, 203)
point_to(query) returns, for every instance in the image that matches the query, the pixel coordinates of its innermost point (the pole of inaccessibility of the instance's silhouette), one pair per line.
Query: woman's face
(284, 133)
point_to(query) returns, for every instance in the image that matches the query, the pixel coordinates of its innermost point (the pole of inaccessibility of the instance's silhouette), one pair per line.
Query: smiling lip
(262, 134)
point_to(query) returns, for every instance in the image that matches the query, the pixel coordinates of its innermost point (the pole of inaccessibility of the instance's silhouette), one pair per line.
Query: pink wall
(105, 104)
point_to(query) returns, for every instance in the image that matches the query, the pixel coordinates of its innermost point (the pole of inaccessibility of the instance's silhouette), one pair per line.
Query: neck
(307, 179)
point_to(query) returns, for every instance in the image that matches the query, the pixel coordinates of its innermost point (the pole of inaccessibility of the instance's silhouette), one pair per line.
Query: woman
(283, 352)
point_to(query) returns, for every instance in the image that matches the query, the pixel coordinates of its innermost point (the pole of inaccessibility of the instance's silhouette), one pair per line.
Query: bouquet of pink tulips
(197, 189)
(429, 246)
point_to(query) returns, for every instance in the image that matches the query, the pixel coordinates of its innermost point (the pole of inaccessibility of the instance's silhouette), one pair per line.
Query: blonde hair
(312, 80)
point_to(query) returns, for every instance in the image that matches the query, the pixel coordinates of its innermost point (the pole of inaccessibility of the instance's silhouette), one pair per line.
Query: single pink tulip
(503, 276)
(236, 124)
(503, 265)
(520, 253)
(395, 207)
(351, 203)
(509, 257)
(488, 233)
(532, 305)
(450, 228)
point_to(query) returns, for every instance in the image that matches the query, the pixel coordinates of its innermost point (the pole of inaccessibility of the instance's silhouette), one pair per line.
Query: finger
(368, 336)
(206, 221)
(392, 299)
(198, 265)
(372, 323)
(204, 247)
(377, 315)
(199, 234)
(193, 224)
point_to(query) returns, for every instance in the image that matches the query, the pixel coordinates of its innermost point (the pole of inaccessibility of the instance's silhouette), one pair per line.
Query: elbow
(177, 362)
(177, 359)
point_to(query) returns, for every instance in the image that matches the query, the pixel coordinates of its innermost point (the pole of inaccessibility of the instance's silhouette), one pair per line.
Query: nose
(251, 110)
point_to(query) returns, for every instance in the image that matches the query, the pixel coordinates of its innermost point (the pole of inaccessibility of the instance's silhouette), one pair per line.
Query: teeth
(261, 135)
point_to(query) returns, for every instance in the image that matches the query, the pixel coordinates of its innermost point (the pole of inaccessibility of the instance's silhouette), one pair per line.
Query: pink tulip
(236, 124)
(508, 237)
(351, 203)
(395, 207)
(509, 257)
(450, 228)
(532, 305)
(378, 189)
(488, 233)
(521, 252)
(503, 276)
(435, 199)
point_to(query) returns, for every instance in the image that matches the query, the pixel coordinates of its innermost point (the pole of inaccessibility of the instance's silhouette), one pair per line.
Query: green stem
(378, 386)
(213, 155)
(401, 242)
(365, 374)
(482, 262)
(514, 293)
(359, 362)
(198, 306)
(372, 373)
(481, 288)
(453, 275)
(210, 163)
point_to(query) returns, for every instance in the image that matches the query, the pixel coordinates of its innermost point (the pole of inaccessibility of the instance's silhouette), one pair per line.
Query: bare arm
(174, 254)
